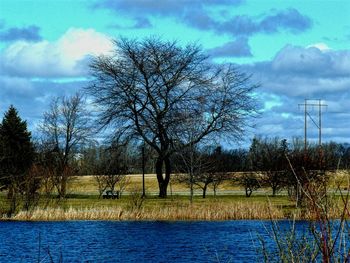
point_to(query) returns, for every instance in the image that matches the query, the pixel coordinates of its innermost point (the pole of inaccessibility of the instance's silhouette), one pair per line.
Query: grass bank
(176, 210)
(82, 203)
(130, 207)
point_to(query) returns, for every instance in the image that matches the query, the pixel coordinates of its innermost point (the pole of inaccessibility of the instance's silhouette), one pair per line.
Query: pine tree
(16, 153)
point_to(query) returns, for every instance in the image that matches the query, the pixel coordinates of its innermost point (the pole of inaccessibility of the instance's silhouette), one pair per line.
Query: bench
(110, 194)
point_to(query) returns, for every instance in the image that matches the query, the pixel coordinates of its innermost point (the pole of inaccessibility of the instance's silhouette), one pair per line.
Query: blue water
(109, 241)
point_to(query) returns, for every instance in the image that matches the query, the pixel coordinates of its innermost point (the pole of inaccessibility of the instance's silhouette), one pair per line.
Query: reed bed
(213, 211)
(176, 211)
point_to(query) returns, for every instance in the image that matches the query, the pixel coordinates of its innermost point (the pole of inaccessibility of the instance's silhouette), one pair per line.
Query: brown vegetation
(177, 211)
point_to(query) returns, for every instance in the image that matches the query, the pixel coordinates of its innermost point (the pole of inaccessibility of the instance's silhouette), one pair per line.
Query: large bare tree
(65, 128)
(154, 89)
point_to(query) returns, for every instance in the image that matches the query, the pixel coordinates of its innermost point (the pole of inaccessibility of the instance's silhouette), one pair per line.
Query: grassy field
(88, 185)
(82, 203)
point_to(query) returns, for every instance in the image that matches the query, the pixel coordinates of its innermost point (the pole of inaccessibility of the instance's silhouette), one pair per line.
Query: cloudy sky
(296, 50)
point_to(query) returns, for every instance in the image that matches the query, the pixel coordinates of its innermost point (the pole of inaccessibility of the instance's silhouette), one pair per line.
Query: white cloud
(65, 57)
(298, 73)
(312, 62)
(77, 43)
(321, 46)
(304, 72)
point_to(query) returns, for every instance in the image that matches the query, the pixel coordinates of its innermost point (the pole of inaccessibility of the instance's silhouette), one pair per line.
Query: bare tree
(199, 168)
(189, 160)
(190, 166)
(101, 183)
(122, 184)
(218, 178)
(202, 181)
(65, 128)
(250, 182)
(219, 171)
(112, 181)
(267, 158)
(112, 168)
(152, 89)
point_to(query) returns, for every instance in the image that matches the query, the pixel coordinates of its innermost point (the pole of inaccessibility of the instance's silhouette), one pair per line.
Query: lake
(111, 241)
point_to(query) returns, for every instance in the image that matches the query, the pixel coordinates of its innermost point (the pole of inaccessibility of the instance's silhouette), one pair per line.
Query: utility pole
(305, 126)
(143, 171)
(317, 124)
(320, 123)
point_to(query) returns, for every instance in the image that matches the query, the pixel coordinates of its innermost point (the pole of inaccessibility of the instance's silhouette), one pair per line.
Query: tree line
(269, 162)
(169, 99)
(67, 149)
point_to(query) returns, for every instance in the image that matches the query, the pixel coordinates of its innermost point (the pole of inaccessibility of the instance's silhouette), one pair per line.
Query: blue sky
(294, 49)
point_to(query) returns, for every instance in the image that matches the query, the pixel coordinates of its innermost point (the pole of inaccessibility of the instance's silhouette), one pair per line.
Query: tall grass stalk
(177, 211)
(328, 235)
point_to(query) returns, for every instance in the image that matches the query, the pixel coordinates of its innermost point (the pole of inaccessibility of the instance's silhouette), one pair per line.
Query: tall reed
(328, 235)
(176, 211)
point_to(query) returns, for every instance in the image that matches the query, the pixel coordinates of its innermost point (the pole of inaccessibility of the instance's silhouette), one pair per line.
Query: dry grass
(178, 208)
(88, 185)
(178, 211)
(84, 205)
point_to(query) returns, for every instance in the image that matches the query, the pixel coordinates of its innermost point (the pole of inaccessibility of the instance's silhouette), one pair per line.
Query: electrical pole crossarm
(305, 105)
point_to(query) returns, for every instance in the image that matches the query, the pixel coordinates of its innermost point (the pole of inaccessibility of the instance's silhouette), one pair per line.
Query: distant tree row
(281, 165)
(169, 99)
(158, 92)
(269, 162)
(67, 148)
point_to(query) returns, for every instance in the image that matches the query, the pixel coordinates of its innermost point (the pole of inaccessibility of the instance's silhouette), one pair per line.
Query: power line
(318, 123)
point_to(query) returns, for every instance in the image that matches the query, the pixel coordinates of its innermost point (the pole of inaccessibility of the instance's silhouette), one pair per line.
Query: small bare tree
(187, 165)
(218, 178)
(202, 181)
(65, 128)
(101, 184)
(112, 168)
(122, 184)
(250, 182)
(197, 168)
(267, 158)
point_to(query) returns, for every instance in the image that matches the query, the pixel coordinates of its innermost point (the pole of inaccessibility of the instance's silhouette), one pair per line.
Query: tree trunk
(274, 190)
(191, 187)
(13, 205)
(163, 181)
(63, 188)
(10, 192)
(204, 191)
(12, 195)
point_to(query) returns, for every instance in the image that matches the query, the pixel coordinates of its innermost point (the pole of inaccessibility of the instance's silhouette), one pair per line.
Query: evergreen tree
(16, 153)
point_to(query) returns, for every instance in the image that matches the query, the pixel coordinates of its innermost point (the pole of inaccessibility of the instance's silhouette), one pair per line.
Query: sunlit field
(88, 185)
(83, 202)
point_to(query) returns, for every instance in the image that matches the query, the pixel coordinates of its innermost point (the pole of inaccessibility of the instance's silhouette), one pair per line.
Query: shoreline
(173, 212)
(187, 213)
